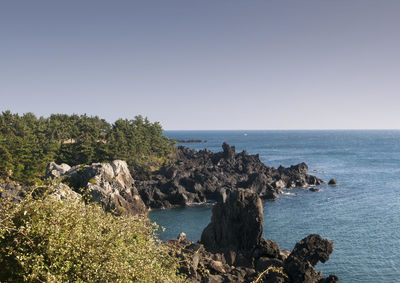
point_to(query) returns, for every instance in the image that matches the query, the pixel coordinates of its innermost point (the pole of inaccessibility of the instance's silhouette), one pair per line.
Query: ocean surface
(361, 215)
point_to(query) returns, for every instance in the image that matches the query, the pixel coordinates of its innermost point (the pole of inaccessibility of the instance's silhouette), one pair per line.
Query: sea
(361, 214)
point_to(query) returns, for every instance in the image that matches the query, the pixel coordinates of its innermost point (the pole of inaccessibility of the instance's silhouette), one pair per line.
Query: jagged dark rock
(267, 248)
(231, 248)
(236, 224)
(313, 249)
(199, 176)
(306, 254)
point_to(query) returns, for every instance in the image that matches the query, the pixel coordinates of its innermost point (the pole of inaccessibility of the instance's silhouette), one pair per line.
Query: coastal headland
(231, 248)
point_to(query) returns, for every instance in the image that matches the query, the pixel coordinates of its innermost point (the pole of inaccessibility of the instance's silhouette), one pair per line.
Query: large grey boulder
(63, 192)
(55, 170)
(109, 184)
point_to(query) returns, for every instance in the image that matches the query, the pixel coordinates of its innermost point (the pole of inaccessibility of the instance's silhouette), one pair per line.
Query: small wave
(289, 194)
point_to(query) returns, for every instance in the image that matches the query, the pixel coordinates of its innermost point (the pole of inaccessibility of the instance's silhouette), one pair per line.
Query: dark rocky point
(236, 223)
(306, 254)
(199, 176)
(232, 249)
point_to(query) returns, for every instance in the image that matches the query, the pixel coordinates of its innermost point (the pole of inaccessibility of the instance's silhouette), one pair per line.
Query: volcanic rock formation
(198, 176)
(231, 248)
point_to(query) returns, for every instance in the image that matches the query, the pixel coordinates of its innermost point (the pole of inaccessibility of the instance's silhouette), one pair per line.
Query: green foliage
(28, 143)
(270, 269)
(140, 143)
(68, 241)
(6, 166)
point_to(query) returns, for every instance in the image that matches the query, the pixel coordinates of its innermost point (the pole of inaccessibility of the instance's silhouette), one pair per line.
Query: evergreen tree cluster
(29, 143)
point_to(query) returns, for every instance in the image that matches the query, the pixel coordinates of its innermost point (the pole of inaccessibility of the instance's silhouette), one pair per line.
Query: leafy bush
(48, 240)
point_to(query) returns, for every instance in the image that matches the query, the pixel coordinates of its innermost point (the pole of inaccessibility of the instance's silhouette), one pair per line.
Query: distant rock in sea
(332, 182)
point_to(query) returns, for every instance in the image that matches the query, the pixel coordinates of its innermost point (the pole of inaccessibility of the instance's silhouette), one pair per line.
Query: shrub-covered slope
(45, 239)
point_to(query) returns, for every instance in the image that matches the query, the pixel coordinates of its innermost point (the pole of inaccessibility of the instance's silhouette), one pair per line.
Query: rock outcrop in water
(332, 182)
(232, 250)
(236, 223)
(109, 184)
(305, 255)
(198, 176)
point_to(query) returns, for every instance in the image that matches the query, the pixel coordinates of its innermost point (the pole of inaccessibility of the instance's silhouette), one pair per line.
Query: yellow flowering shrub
(67, 241)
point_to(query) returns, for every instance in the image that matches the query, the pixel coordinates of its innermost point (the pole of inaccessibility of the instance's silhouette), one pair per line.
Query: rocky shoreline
(193, 177)
(231, 248)
(200, 176)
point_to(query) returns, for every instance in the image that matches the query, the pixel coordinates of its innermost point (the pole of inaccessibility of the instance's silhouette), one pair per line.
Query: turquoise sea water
(361, 215)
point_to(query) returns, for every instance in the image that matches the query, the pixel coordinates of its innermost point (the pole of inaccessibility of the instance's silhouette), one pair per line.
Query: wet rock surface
(199, 176)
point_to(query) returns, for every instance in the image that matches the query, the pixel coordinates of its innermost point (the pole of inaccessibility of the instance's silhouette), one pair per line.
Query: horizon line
(360, 129)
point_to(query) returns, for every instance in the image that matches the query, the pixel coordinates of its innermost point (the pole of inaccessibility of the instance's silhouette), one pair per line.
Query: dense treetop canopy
(29, 143)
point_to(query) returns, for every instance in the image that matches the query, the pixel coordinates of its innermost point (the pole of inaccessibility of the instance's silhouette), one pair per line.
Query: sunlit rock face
(109, 184)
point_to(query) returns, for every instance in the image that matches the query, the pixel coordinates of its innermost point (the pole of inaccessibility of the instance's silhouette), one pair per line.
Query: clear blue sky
(233, 64)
